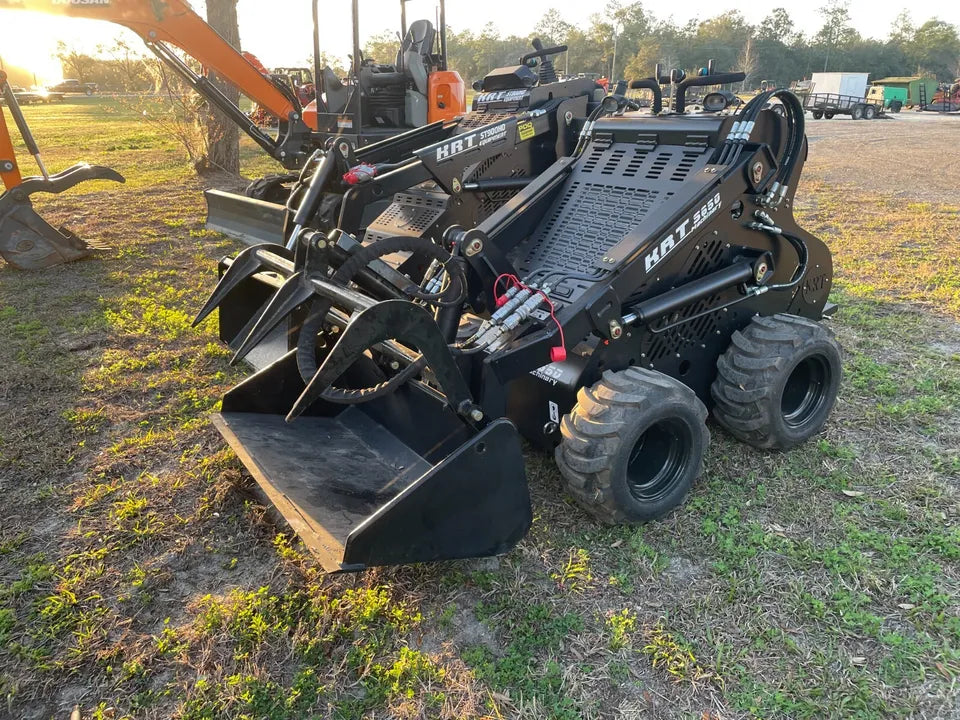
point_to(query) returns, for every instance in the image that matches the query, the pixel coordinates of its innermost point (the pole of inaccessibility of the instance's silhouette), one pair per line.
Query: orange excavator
(377, 101)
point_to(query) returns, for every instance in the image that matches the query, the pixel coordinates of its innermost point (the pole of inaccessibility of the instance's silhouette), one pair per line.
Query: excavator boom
(174, 22)
(27, 241)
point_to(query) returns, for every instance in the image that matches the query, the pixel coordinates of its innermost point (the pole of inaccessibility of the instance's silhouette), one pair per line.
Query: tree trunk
(223, 136)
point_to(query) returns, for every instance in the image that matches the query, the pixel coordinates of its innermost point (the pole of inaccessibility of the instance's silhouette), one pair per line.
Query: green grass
(139, 572)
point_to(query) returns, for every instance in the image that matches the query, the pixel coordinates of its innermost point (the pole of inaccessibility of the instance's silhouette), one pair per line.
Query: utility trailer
(829, 105)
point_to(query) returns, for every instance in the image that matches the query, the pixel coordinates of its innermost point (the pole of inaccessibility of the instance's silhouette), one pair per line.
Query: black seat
(415, 52)
(337, 93)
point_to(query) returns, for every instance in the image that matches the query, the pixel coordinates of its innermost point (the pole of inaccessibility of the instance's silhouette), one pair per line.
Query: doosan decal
(671, 241)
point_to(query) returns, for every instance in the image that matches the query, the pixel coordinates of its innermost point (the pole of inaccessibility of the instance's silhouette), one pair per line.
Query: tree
(382, 47)
(75, 64)
(718, 38)
(130, 68)
(338, 65)
(902, 30)
(747, 63)
(776, 27)
(936, 48)
(836, 31)
(223, 136)
(552, 29)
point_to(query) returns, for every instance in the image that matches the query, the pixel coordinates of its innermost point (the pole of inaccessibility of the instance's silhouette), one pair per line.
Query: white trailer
(841, 93)
(853, 84)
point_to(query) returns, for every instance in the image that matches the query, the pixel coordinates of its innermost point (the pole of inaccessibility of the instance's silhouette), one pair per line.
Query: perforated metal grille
(670, 163)
(706, 259)
(474, 119)
(589, 220)
(686, 336)
(409, 214)
(491, 201)
(483, 167)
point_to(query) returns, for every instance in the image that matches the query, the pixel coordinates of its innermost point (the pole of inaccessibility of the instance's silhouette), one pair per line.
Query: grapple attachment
(380, 455)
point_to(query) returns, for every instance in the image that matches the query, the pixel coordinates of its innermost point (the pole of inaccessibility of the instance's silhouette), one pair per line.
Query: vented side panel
(410, 214)
(474, 120)
(589, 219)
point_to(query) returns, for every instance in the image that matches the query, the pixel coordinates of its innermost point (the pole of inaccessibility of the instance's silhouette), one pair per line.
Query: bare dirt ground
(907, 155)
(140, 578)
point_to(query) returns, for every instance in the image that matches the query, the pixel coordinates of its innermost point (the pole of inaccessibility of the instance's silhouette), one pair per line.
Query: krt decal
(471, 141)
(666, 246)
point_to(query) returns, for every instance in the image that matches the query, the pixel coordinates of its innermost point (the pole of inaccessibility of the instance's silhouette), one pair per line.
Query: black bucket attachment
(398, 480)
(416, 474)
(27, 241)
(247, 219)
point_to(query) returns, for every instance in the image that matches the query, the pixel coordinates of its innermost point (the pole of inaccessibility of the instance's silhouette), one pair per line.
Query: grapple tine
(246, 263)
(391, 319)
(292, 293)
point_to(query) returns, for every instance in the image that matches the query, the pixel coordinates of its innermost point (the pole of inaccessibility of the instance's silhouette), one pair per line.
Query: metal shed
(912, 85)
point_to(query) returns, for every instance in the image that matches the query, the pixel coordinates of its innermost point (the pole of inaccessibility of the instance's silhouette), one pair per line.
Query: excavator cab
(27, 241)
(381, 99)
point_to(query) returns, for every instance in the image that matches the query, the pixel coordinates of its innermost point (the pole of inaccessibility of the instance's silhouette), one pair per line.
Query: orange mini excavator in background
(376, 102)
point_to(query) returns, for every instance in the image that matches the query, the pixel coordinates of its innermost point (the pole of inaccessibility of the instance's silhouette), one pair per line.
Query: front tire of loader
(777, 382)
(632, 445)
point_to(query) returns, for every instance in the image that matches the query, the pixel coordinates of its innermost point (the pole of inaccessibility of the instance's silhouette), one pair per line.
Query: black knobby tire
(632, 445)
(829, 115)
(817, 114)
(777, 382)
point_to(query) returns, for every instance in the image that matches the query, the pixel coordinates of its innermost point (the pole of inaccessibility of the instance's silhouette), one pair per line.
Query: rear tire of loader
(632, 445)
(777, 382)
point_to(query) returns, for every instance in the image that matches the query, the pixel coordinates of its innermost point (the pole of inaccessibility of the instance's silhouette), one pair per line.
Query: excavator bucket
(27, 241)
(413, 474)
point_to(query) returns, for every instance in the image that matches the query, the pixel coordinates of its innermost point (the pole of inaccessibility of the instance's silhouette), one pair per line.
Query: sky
(266, 29)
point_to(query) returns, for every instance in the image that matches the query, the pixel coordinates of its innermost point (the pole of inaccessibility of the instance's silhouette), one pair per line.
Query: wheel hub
(804, 391)
(658, 459)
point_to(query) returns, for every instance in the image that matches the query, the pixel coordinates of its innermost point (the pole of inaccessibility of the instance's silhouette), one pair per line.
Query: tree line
(627, 40)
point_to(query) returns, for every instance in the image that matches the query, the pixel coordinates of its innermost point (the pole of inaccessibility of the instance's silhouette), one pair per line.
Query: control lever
(680, 102)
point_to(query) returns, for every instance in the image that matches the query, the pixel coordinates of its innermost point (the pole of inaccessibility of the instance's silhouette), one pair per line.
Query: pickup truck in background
(30, 97)
(74, 87)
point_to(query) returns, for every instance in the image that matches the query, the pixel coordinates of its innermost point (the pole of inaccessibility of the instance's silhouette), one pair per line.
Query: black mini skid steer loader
(653, 272)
